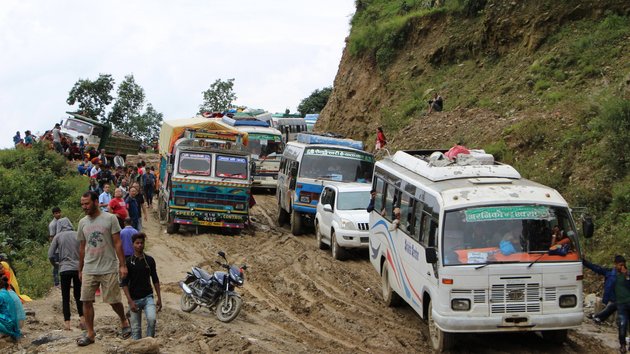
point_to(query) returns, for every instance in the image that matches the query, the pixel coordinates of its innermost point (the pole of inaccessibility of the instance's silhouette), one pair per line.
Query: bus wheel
(283, 216)
(171, 227)
(337, 251)
(389, 296)
(296, 223)
(441, 341)
(320, 243)
(558, 336)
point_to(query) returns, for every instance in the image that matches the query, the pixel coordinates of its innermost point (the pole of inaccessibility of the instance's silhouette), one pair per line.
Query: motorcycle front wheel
(227, 310)
(187, 303)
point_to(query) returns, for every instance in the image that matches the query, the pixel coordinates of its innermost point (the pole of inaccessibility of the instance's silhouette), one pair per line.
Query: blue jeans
(603, 315)
(622, 321)
(148, 305)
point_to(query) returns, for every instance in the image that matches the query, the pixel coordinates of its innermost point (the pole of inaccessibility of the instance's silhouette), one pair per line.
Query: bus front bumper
(508, 323)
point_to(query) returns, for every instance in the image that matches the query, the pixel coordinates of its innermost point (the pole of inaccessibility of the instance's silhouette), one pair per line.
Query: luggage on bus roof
(244, 121)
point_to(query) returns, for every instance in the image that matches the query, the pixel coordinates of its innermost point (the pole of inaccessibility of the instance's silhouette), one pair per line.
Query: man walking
(125, 237)
(52, 231)
(141, 205)
(617, 287)
(66, 246)
(101, 262)
(133, 208)
(138, 290)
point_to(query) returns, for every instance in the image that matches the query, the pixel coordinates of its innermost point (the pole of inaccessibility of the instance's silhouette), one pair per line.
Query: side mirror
(328, 208)
(588, 227)
(294, 172)
(221, 254)
(430, 254)
(252, 167)
(169, 168)
(292, 184)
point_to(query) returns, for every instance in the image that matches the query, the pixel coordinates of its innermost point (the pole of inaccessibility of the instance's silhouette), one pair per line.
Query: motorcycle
(214, 291)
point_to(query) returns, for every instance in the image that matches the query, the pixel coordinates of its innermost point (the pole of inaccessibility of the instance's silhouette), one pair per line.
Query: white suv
(342, 220)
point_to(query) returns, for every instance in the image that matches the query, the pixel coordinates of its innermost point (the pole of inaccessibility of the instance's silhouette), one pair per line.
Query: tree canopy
(218, 97)
(315, 102)
(93, 97)
(126, 114)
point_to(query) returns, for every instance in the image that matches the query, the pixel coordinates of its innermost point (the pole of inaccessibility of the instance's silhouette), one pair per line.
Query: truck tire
(171, 227)
(441, 341)
(296, 223)
(162, 210)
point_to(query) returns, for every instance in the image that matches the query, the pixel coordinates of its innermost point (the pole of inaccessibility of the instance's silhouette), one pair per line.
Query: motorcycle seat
(201, 274)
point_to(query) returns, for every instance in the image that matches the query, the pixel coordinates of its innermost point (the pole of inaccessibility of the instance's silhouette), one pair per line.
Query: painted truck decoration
(204, 174)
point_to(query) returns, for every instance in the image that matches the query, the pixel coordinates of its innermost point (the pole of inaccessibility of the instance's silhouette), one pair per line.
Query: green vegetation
(572, 86)
(32, 181)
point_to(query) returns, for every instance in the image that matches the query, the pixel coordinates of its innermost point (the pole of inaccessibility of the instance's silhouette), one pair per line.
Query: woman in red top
(118, 207)
(380, 139)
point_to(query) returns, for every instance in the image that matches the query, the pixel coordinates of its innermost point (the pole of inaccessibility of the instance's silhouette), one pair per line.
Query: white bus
(470, 252)
(265, 147)
(290, 127)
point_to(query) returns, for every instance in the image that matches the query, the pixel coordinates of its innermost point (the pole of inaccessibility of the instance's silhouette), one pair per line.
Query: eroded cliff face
(365, 97)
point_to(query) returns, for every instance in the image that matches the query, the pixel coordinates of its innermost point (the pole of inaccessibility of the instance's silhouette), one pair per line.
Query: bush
(32, 182)
(612, 125)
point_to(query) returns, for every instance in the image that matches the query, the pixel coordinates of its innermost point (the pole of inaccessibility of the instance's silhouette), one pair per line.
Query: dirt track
(297, 299)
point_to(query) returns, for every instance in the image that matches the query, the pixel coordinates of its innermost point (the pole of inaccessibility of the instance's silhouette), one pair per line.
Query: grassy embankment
(574, 85)
(32, 182)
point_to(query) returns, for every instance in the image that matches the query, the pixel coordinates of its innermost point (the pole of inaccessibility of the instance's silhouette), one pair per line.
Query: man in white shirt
(56, 134)
(104, 198)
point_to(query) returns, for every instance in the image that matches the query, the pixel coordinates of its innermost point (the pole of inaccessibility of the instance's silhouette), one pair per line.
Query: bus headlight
(180, 201)
(567, 301)
(460, 304)
(347, 224)
(305, 199)
(239, 206)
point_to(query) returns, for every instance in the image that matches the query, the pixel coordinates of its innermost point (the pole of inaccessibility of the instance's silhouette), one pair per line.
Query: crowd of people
(72, 150)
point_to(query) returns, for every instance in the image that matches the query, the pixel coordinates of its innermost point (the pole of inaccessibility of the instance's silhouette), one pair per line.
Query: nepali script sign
(521, 212)
(346, 154)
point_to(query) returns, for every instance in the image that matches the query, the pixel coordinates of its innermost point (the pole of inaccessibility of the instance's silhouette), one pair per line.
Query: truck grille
(515, 298)
(363, 226)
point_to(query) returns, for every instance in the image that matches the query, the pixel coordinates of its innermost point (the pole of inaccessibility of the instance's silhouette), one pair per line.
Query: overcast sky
(278, 52)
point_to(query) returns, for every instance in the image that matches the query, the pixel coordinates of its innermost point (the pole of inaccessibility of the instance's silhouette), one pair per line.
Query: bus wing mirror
(169, 168)
(294, 172)
(328, 208)
(430, 255)
(588, 227)
(292, 184)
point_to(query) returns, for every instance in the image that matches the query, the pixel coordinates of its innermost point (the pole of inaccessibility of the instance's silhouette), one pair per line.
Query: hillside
(543, 85)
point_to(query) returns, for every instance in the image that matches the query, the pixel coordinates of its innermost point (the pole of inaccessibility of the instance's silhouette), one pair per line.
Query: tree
(93, 96)
(218, 97)
(148, 124)
(127, 109)
(315, 102)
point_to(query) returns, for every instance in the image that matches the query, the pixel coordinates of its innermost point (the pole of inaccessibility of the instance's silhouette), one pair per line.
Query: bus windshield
(337, 165)
(78, 126)
(264, 145)
(231, 167)
(194, 164)
(509, 233)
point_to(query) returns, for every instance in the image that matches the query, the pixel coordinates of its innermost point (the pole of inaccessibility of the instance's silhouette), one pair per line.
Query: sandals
(125, 332)
(84, 341)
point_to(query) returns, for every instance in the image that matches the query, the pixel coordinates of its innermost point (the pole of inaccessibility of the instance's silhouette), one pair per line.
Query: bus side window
(406, 213)
(430, 231)
(378, 200)
(283, 163)
(417, 222)
(389, 202)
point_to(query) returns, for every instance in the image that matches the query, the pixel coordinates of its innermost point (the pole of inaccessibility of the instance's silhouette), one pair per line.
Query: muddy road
(297, 299)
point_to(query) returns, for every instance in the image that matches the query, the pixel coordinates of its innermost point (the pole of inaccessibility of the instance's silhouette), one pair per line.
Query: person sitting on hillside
(119, 161)
(29, 139)
(381, 141)
(436, 104)
(17, 139)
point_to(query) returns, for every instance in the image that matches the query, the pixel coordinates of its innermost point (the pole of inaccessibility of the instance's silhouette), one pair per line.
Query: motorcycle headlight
(347, 224)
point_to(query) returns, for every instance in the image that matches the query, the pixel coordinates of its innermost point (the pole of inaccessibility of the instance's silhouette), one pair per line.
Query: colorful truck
(99, 135)
(205, 175)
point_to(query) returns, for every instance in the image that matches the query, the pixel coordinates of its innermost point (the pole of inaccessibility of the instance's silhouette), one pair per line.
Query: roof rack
(244, 122)
(426, 163)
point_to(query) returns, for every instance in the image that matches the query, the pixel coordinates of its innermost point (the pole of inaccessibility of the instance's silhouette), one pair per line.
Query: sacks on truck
(311, 138)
